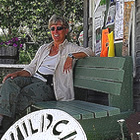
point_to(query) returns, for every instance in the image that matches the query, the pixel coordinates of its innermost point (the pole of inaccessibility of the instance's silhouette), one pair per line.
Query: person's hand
(11, 75)
(68, 65)
(15, 74)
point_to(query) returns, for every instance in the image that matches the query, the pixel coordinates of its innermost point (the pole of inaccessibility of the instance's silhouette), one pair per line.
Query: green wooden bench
(111, 77)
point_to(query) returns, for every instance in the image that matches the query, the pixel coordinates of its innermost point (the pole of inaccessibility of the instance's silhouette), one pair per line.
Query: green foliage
(103, 2)
(35, 15)
(25, 57)
(30, 17)
(27, 53)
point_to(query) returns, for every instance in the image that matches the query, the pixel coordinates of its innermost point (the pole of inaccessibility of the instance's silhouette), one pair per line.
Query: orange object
(105, 43)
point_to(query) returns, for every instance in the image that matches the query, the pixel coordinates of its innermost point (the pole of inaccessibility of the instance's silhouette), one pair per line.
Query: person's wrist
(71, 55)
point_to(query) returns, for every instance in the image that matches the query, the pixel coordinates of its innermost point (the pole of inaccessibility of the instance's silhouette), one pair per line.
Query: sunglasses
(59, 28)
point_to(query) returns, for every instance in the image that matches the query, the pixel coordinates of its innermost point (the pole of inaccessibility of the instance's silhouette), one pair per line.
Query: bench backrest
(110, 75)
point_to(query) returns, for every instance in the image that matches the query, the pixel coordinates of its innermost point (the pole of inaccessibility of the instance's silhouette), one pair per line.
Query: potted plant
(9, 48)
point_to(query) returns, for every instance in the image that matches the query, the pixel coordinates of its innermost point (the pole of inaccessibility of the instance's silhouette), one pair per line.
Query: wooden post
(85, 20)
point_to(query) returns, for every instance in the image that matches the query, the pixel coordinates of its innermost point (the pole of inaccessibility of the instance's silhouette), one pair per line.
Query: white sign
(48, 124)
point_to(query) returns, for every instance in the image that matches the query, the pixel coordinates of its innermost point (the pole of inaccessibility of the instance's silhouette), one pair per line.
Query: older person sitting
(49, 76)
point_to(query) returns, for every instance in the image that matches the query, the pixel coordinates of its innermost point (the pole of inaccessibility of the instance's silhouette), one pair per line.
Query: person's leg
(8, 95)
(36, 92)
(1, 118)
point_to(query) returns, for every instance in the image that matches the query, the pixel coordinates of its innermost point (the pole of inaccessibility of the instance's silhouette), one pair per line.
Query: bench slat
(103, 62)
(97, 85)
(77, 113)
(100, 74)
(47, 105)
(63, 106)
(110, 110)
(83, 110)
(80, 109)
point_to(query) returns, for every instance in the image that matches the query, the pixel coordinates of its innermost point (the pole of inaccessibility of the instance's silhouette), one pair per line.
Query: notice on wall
(128, 6)
(111, 14)
(99, 23)
(97, 3)
(118, 29)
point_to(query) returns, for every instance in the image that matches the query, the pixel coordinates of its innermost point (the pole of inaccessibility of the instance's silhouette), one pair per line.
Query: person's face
(58, 32)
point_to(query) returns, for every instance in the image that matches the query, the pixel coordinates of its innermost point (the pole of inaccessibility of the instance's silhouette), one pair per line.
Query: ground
(133, 126)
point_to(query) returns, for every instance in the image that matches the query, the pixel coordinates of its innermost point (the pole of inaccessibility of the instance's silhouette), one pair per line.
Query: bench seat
(79, 109)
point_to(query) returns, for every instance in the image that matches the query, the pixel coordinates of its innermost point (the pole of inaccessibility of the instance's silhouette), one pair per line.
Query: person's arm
(17, 73)
(79, 55)
(69, 60)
